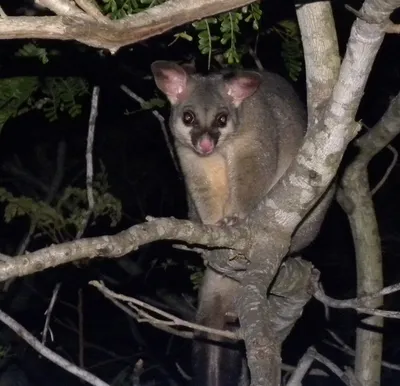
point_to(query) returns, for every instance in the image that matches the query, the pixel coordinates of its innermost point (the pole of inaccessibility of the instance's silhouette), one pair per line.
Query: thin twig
(80, 329)
(342, 346)
(89, 159)
(52, 191)
(392, 28)
(49, 354)
(137, 372)
(257, 61)
(331, 366)
(92, 9)
(171, 319)
(62, 7)
(302, 368)
(2, 13)
(355, 303)
(388, 170)
(49, 311)
(160, 118)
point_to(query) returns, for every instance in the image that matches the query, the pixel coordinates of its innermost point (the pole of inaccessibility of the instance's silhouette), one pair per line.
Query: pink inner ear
(173, 83)
(242, 87)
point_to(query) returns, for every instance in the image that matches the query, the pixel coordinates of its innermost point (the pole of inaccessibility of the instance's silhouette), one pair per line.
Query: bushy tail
(216, 360)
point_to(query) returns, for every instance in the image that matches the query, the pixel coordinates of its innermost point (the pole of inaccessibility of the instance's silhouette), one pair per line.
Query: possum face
(203, 120)
(205, 109)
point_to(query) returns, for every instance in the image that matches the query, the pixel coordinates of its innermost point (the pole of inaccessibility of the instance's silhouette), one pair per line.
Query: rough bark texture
(360, 210)
(109, 34)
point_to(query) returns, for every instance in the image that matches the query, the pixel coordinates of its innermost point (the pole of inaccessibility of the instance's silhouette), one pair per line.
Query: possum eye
(188, 117)
(222, 120)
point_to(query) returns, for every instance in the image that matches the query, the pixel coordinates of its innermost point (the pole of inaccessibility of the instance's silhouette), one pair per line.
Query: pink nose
(206, 145)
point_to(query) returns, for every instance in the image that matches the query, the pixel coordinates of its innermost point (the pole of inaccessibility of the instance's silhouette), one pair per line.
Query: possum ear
(242, 85)
(171, 79)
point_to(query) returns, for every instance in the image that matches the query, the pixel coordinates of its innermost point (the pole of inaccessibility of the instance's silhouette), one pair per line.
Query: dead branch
(124, 242)
(160, 119)
(49, 354)
(168, 319)
(343, 347)
(307, 178)
(355, 304)
(388, 170)
(74, 24)
(49, 311)
(302, 368)
(364, 227)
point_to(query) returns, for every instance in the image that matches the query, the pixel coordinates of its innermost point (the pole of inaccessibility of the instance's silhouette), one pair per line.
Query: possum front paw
(228, 220)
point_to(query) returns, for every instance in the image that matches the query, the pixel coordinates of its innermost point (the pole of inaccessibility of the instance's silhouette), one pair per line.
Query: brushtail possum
(236, 134)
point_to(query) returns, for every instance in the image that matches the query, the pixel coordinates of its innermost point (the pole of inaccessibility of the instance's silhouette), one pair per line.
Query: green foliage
(230, 29)
(254, 13)
(197, 276)
(205, 37)
(33, 50)
(15, 92)
(20, 95)
(118, 9)
(69, 212)
(292, 51)
(61, 94)
(224, 34)
(152, 103)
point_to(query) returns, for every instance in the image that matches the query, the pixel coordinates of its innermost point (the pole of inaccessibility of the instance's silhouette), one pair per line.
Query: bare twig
(392, 28)
(80, 329)
(61, 7)
(302, 368)
(160, 119)
(350, 381)
(49, 311)
(256, 59)
(92, 9)
(51, 192)
(357, 302)
(2, 14)
(388, 170)
(170, 320)
(167, 329)
(137, 372)
(89, 159)
(47, 353)
(342, 346)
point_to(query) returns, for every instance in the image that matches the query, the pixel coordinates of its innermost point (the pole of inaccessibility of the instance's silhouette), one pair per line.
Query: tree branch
(365, 231)
(321, 55)
(303, 184)
(73, 24)
(47, 353)
(124, 242)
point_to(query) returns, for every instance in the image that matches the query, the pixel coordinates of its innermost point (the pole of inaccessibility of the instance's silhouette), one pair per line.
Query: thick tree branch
(306, 180)
(112, 34)
(123, 243)
(364, 228)
(321, 55)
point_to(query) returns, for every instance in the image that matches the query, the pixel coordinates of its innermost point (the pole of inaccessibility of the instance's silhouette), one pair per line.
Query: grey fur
(263, 134)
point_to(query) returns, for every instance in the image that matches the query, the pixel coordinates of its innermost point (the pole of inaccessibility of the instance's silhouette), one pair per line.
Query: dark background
(141, 174)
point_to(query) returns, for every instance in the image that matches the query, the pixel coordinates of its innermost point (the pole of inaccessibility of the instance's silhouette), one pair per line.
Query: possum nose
(206, 144)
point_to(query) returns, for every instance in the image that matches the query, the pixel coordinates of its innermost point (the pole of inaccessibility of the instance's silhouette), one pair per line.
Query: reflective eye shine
(222, 120)
(188, 117)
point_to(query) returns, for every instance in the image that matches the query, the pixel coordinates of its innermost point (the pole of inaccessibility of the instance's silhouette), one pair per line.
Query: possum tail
(216, 360)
